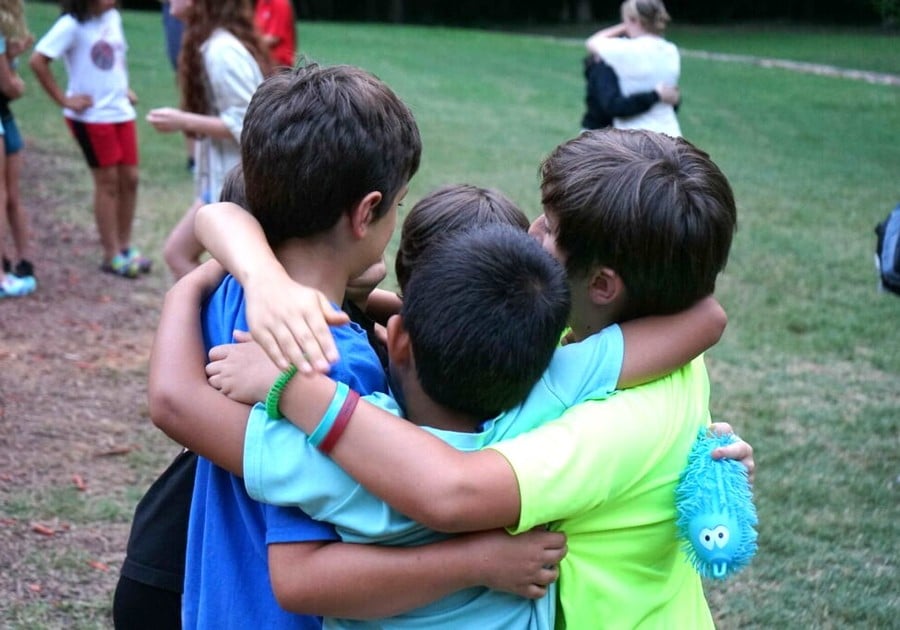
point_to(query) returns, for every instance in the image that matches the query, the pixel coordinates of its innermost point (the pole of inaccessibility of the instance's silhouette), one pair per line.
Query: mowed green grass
(809, 367)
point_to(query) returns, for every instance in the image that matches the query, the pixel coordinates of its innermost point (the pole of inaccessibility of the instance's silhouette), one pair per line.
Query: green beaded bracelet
(274, 395)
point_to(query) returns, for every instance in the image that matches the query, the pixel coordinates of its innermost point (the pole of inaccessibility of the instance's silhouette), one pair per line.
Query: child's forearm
(234, 238)
(656, 346)
(289, 321)
(616, 30)
(370, 582)
(382, 305)
(181, 402)
(475, 490)
(40, 66)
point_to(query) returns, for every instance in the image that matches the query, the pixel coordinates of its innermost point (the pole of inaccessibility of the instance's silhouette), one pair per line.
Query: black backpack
(887, 251)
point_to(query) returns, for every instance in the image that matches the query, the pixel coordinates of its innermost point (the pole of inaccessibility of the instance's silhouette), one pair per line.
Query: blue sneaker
(134, 256)
(14, 286)
(121, 266)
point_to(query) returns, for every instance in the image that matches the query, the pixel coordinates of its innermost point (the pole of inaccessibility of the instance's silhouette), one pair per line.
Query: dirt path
(74, 430)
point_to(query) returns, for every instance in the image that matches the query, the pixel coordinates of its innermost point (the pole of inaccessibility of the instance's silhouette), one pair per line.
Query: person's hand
(17, 87)
(17, 45)
(359, 288)
(241, 371)
(78, 102)
(166, 119)
(668, 93)
(738, 450)
(523, 565)
(290, 322)
(132, 97)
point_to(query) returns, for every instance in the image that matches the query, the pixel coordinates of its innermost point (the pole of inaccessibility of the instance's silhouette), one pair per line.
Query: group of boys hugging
(334, 486)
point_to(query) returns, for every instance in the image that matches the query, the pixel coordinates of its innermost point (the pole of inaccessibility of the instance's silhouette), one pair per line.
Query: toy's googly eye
(721, 536)
(706, 538)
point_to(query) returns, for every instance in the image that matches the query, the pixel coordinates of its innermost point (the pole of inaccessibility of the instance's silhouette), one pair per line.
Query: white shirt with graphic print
(94, 56)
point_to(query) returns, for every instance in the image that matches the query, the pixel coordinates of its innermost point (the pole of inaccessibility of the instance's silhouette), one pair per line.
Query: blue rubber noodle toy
(716, 515)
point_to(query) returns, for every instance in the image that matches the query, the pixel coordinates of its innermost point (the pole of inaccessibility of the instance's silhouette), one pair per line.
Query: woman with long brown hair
(222, 61)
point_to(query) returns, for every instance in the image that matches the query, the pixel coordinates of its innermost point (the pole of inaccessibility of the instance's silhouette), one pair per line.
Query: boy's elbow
(287, 596)
(37, 62)
(163, 407)
(450, 510)
(289, 575)
(720, 321)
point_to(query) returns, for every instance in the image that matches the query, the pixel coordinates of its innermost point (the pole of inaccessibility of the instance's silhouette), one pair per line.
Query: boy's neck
(423, 411)
(316, 264)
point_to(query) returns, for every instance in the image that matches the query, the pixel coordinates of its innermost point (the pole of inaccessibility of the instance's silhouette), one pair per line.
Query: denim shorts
(12, 139)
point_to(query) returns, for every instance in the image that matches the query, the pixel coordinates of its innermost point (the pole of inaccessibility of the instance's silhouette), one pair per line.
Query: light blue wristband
(331, 414)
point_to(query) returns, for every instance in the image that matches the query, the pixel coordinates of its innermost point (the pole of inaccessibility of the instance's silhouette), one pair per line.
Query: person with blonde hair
(221, 63)
(643, 60)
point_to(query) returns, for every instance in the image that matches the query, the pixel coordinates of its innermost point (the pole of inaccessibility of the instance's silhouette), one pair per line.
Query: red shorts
(106, 144)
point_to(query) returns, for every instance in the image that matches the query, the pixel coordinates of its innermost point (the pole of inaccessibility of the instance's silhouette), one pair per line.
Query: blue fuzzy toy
(716, 515)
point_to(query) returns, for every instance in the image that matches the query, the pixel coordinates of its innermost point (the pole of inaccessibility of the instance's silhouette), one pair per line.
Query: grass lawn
(808, 370)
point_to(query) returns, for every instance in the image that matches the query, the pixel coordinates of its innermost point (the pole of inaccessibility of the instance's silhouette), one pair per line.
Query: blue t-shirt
(226, 574)
(281, 467)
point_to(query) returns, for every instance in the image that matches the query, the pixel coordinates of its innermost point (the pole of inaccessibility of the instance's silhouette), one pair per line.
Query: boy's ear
(363, 213)
(606, 286)
(398, 346)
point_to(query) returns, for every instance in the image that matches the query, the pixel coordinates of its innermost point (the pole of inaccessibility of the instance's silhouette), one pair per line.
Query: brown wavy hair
(205, 16)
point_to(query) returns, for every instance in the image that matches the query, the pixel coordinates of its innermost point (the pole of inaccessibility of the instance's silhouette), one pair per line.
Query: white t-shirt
(233, 76)
(641, 63)
(94, 55)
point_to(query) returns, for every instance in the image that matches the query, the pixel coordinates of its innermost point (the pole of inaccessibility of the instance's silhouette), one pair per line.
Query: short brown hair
(655, 209)
(316, 140)
(446, 211)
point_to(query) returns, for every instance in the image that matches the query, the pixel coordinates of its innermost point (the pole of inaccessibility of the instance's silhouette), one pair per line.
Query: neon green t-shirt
(605, 474)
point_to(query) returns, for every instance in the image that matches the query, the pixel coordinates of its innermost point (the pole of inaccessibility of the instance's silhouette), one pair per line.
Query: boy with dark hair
(605, 472)
(244, 559)
(474, 353)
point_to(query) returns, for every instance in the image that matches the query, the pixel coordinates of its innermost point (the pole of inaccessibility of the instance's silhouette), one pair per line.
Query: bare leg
(106, 209)
(18, 218)
(128, 185)
(182, 249)
(2, 205)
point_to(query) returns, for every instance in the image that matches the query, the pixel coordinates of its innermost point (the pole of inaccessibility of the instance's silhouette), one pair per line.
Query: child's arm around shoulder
(656, 346)
(288, 320)
(181, 402)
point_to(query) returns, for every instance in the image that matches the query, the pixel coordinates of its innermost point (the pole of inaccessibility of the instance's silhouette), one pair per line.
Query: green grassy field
(808, 369)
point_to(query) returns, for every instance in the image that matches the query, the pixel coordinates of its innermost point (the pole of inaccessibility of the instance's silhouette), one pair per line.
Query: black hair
(78, 9)
(484, 310)
(316, 140)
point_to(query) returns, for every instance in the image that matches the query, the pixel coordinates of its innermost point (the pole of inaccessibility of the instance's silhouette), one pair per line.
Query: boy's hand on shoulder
(241, 371)
(290, 322)
(523, 565)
